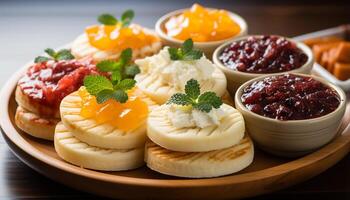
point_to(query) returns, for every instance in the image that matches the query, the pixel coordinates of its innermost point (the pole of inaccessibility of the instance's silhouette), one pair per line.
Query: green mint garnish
(122, 74)
(108, 19)
(186, 52)
(203, 102)
(63, 54)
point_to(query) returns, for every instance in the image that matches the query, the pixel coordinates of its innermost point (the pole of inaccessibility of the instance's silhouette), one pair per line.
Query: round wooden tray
(266, 174)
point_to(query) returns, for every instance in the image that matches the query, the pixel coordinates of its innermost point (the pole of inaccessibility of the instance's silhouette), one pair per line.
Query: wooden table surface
(27, 27)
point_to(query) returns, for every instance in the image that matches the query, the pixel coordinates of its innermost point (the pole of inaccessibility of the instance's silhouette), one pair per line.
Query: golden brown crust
(35, 125)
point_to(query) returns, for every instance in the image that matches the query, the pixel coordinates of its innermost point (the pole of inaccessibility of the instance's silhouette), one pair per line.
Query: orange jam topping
(116, 37)
(125, 116)
(202, 25)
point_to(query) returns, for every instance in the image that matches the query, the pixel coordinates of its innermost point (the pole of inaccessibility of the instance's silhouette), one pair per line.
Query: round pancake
(200, 165)
(35, 125)
(83, 155)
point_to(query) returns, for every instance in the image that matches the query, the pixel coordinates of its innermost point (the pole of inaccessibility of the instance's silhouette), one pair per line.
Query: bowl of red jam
(291, 114)
(249, 57)
(207, 27)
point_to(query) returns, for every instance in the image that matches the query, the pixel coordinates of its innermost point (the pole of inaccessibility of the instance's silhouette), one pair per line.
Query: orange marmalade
(202, 25)
(125, 116)
(116, 37)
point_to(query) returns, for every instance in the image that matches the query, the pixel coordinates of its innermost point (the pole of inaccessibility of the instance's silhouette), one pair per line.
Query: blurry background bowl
(236, 78)
(292, 137)
(207, 47)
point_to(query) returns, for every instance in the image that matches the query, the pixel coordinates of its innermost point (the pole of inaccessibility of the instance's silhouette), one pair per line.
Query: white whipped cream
(176, 72)
(182, 116)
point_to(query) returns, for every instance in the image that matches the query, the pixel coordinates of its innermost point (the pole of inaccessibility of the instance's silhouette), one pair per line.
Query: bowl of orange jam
(208, 27)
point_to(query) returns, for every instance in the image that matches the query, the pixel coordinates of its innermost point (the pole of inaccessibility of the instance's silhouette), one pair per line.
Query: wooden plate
(266, 174)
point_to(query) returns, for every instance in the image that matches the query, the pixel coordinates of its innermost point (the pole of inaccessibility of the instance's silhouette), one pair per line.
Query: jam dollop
(263, 54)
(290, 97)
(47, 83)
(125, 116)
(202, 25)
(116, 37)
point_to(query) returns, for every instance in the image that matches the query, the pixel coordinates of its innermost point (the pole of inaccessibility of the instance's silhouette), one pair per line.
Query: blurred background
(29, 26)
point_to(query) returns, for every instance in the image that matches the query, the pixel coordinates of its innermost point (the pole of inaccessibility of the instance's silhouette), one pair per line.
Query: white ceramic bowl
(292, 137)
(236, 78)
(207, 47)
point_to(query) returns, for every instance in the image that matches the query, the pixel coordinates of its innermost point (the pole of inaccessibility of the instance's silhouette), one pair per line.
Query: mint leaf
(203, 107)
(104, 95)
(192, 55)
(179, 99)
(95, 84)
(186, 52)
(120, 95)
(187, 46)
(127, 17)
(173, 52)
(126, 84)
(192, 89)
(126, 56)
(108, 65)
(210, 98)
(64, 54)
(50, 52)
(116, 76)
(132, 70)
(40, 59)
(107, 19)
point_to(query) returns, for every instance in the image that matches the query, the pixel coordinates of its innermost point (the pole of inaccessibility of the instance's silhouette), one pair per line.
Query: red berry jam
(263, 54)
(290, 97)
(47, 83)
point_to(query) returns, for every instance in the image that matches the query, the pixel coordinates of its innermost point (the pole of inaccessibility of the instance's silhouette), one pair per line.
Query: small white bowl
(207, 47)
(292, 138)
(236, 78)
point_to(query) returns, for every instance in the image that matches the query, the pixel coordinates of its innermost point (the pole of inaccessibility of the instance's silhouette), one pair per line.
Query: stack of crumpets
(40, 90)
(104, 123)
(107, 40)
(195, 135)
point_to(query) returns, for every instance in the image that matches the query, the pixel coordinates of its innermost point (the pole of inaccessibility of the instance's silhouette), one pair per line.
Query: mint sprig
(122, 74)
(63, 54)
(125, 20)
(203, 102)
(186, 52)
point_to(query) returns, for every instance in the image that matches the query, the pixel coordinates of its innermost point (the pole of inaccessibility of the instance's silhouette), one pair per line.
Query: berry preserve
(263, 54)
(290, 97)
(49, 82)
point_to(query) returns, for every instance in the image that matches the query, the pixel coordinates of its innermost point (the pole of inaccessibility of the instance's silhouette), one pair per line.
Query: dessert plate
(266, 174)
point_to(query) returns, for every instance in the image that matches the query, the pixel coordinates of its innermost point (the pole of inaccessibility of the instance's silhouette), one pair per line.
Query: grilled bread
(81, 48)
(152, 86)
(228, 133)
(83, 155)
(35, 125)
(200, 165)
(100, 135)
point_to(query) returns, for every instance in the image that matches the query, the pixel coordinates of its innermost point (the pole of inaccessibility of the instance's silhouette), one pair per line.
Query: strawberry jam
(47, 83)
(290, 97)
(263, 54)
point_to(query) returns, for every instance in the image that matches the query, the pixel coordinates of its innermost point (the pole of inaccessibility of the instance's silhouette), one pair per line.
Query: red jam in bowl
(263, 54)
(47, 83)
(290, 97)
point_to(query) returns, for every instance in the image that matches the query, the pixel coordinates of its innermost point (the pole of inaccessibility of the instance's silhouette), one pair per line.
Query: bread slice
(35, 107)
(200, 165)
(228, 133)
(35, 125)
(83, 155)
(152, 86)
(81, 48)
(101, 135)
